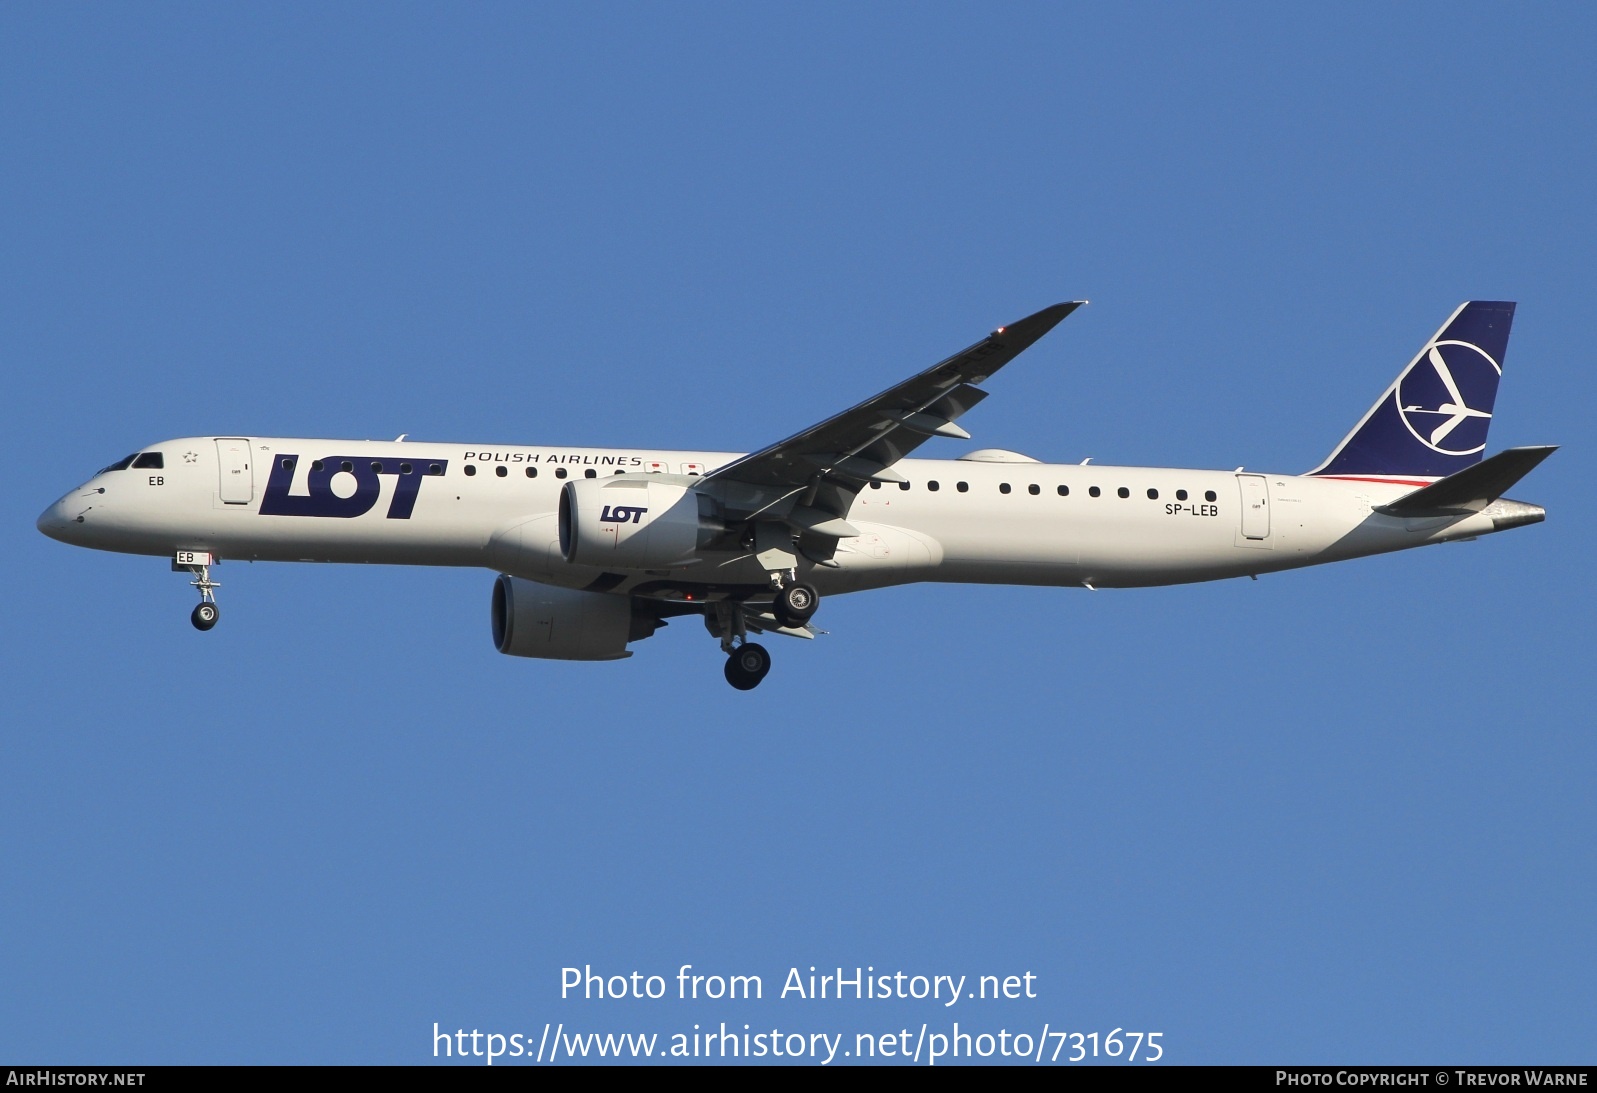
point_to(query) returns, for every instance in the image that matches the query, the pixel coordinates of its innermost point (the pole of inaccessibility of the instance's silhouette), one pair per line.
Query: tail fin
(1432, 421)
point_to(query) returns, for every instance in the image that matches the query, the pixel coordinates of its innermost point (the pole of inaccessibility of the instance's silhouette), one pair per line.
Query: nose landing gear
(199, 563)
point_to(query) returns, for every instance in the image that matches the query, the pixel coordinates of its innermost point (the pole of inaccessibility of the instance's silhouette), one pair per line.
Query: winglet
(1020, 335)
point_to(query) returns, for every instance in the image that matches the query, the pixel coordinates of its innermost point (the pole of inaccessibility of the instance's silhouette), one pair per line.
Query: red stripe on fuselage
(1389, 481)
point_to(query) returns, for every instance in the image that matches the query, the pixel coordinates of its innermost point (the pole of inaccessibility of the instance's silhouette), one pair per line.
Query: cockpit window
(152, 461)
(120, 464)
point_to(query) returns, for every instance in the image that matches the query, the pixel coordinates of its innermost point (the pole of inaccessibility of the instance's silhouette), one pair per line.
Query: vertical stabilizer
(1432, 421)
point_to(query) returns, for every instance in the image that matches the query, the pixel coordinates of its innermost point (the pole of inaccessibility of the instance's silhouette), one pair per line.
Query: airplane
(597, 548)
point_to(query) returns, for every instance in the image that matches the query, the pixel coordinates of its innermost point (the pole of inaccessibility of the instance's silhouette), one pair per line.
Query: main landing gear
(792, 605)
(199, 563)
(747, 665)
(746, 662)
(795, 603)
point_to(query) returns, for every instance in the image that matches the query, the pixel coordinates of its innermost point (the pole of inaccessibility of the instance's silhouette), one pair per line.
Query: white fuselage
(955, 520)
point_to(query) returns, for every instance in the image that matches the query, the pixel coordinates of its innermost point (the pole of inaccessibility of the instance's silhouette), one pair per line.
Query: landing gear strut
(746, 662)
(206, 613)
(792, 604)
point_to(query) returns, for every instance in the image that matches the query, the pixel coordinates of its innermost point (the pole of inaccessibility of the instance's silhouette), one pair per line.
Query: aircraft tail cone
(1507, 514)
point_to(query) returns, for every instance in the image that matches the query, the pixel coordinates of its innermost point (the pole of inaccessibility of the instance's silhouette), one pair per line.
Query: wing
(861, 443)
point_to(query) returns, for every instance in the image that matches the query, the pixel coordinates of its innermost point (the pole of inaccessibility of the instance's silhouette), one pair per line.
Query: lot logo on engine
(622, 514)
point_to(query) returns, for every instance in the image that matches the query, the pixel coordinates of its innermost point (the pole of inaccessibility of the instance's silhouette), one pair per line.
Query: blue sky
(1339, 815)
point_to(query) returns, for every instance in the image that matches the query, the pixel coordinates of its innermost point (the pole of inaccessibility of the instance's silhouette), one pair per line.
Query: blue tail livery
(1432, 421)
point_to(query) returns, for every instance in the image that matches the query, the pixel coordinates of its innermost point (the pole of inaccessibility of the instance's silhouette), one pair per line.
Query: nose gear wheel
(206, 613)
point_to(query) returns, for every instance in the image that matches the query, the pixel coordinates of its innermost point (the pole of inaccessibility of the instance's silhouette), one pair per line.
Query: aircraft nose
(56, 522)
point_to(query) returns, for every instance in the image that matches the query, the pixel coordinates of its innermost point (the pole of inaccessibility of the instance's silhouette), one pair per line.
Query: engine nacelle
(540, 620)
(635, 522)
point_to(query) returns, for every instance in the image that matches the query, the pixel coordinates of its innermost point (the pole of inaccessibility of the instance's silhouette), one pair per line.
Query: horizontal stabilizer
(1473, 488)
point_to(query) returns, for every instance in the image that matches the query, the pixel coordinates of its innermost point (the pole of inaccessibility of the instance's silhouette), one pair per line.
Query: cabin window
(903, 485)
(590, 473)
(875, 485)
(435, 468)
(1063, 491)
(1003, 487)
(288, 464)
(560, 472)
(962, 487)
(532, 472)
(1094, 491)
(377, 466)
(346, 466)
(316, 464)
(1181, 495)
(1208, 495)
(1123, 492)
(502, 470)
(405, 468)
(149, 461)
(932, 486)
(470, 470)
(1034, 489)
(1153, 495)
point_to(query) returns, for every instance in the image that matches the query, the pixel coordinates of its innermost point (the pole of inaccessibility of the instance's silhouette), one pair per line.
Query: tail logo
(1439, 404)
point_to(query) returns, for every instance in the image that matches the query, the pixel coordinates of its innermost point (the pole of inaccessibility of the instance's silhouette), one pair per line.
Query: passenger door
(1255, 506)
(237, 481)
